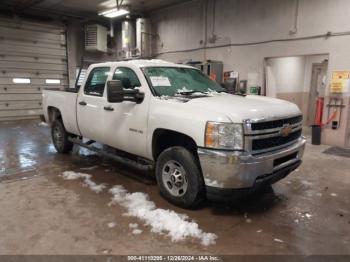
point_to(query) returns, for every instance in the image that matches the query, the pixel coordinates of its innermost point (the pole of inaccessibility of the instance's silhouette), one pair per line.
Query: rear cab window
(96, 82)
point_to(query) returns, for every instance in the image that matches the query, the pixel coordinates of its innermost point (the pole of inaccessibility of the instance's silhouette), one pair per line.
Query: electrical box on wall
(95, 38)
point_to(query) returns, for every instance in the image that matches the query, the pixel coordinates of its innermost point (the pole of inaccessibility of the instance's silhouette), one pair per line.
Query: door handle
(82, 103)
(108, 108)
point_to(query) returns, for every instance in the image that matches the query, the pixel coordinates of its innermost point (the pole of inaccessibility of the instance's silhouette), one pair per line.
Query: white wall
(288, 75)
(291, 74)
(289, 78)
(242, 21)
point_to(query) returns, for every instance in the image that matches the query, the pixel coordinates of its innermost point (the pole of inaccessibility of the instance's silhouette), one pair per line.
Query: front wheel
(179, 177)
(60, 137)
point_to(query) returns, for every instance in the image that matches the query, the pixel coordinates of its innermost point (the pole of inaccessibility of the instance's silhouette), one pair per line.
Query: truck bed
(65, 101)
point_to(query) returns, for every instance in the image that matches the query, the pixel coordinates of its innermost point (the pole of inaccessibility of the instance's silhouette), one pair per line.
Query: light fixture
(52, 81)
(21, 80)
(114, 12)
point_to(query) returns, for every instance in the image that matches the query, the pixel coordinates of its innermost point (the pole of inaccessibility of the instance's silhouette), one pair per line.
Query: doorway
(298, 79)
(317, 88)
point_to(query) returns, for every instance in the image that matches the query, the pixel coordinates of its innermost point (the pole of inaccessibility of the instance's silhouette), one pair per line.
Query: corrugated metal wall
(32, 51)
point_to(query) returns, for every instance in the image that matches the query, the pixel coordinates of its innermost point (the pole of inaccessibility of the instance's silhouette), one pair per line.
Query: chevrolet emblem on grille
(285, 131)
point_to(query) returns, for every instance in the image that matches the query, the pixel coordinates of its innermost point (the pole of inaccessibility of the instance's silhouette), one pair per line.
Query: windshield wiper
(187, 93)
(222, 91)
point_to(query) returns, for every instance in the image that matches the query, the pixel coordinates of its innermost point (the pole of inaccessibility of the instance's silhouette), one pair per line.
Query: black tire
(59, 137)
(184, 160)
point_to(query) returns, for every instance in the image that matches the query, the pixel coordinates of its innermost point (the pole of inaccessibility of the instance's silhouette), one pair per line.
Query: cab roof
(143, 63)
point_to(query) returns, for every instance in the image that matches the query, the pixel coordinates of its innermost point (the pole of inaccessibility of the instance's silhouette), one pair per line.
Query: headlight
(224, 135)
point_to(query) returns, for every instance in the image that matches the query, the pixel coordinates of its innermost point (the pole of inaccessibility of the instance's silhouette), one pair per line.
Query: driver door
(126, 122)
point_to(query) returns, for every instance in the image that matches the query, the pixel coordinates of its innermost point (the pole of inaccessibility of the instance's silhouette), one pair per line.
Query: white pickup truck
(201, 141)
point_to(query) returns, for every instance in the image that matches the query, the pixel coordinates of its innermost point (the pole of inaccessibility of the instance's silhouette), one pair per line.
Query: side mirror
(117, 94)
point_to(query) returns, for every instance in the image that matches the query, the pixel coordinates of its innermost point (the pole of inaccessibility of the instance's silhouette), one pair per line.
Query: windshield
(171, 81)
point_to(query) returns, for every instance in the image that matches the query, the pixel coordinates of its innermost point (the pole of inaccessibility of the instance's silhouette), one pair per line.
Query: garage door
(32, 57)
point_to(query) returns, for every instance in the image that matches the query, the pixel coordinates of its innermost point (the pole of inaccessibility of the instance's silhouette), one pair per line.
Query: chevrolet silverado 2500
(201, 141)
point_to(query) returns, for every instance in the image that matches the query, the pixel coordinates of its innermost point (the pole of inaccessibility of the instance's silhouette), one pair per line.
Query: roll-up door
(32, 57)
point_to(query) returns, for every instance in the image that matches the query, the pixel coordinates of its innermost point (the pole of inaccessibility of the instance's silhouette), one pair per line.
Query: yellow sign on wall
(340, 82)
(341, 75)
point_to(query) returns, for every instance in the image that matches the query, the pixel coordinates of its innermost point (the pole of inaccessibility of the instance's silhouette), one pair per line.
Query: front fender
(182, 118)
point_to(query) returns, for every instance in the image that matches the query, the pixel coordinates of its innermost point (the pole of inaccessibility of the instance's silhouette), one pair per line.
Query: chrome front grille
(265, 135)
(276, 123)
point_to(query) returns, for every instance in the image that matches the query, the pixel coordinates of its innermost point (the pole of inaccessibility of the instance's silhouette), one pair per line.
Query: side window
(127, 76)
(96, 81)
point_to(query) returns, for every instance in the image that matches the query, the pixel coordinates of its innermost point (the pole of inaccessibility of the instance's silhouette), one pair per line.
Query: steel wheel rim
(57, 137)
(174, 178)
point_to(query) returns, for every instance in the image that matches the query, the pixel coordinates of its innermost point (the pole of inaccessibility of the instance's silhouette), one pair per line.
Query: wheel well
(53, 113)
(164, 138)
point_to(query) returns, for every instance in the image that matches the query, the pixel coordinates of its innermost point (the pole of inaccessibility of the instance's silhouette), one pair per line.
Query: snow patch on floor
(278, 240)
(133, 225)
(71, 175)
(306, 183)
(137, 231)
(111, 224)
(308, 215)
(247, 220)
(106, 251)
(43, 124)
(177, 226)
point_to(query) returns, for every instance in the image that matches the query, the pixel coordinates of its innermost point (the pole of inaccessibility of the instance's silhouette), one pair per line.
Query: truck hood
(239, 108)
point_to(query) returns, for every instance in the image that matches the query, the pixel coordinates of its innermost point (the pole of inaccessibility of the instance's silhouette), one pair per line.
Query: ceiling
(81, 8)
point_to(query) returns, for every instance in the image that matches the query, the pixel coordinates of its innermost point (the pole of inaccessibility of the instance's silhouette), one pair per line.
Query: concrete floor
(40, 213)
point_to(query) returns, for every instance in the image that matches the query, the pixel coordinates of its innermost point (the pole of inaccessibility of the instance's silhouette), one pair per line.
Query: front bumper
(240, 170)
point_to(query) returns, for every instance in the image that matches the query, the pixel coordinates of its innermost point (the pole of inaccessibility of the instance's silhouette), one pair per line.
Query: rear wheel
(60, 137)
(179, 177)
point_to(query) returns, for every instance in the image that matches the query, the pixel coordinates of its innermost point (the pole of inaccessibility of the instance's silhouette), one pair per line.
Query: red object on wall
(319, 111)
(213, 76)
